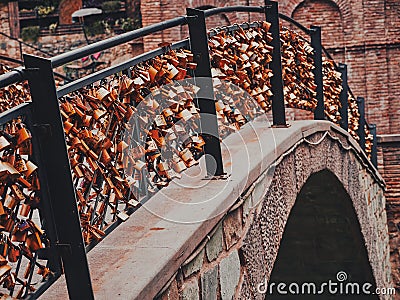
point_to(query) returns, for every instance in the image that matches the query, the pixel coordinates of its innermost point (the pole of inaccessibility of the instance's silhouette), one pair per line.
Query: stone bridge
(309, 208)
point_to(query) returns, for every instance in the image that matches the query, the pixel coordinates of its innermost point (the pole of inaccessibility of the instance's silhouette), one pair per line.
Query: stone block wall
(4, 24)
(241, 250)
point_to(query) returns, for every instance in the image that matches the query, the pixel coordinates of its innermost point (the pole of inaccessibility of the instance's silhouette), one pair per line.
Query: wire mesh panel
(121, 143)
(23, 236)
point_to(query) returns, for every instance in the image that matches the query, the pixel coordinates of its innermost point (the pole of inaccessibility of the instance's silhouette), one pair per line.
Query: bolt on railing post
(278, 100)
(48, 127)
(315, 33)
(344, 122)
(374, 152)
(205, 96)
(361, 125)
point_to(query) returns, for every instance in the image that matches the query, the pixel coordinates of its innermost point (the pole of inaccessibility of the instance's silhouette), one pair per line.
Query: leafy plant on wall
(30, 33)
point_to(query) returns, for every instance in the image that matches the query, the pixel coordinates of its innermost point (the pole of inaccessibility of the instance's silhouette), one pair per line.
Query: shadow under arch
(322, 237)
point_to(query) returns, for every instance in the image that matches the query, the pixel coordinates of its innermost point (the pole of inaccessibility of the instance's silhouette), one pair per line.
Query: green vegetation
(125, 23)
(110, 6)
(95, 28)
(30, 33)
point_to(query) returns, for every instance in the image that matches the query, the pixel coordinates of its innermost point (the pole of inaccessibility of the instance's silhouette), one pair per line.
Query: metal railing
(49, 253)
(20, 62)
(315, 34)
(59, 198)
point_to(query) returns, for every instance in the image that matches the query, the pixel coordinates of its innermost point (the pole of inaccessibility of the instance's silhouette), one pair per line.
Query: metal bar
(374, 152)
(205, 96)
(294, 22)
(64, 58)
(233, 28)
(315, 32)
(344, 122)
(361, 125)
(329, 56)
(17, 61)
(43, 287)
(10, 59)
(15, 112)
(278, 100)
(49, 129)
(82, 82)
(239, 8)
(20, 51)
(46, 210)
(15, 76)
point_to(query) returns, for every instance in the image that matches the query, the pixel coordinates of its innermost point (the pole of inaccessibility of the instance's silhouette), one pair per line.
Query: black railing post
(46, 211)
(48, 128)
(361, 125)
(374, 151)
(205, 96)
(278, 101)
(344, 122)
(315, 33)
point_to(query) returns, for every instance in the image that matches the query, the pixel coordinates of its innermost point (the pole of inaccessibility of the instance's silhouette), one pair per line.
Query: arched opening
(324, 13)
(322, 238)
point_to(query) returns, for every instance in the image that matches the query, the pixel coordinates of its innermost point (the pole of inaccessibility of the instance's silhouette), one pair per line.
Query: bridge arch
(320, 157)
(322, 241)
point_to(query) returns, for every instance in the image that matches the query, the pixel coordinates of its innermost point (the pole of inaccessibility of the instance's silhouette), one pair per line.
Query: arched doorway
(324, 13)
(322, 241)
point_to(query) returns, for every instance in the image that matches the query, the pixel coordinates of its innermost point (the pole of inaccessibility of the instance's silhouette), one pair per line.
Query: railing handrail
(14, 76)
(233, 27)
(67, 57)
(64, 58)
(238, 8)
(20, 62)
(294, 22)
(84, 81)
(14, 112)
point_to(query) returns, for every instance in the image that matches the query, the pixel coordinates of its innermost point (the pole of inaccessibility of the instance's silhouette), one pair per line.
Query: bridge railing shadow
(64, 205)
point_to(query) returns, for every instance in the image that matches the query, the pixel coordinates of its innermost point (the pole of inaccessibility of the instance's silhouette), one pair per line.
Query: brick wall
(389, 167)
(161, 10)
(66, 8)
(362, 34)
